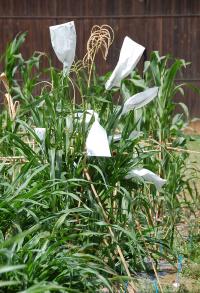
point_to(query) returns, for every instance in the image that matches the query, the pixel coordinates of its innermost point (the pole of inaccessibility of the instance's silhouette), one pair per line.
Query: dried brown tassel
(101, 39)
(12, 107)
(4, 79)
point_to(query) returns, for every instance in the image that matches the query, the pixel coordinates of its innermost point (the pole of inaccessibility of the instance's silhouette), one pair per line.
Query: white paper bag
(97, 144)
(115, 138)
(69, 123)
(130, 54)
(135, 134)
(147, 175)
(88, 116)
(139, 100)
(41, 133)
(63, 39)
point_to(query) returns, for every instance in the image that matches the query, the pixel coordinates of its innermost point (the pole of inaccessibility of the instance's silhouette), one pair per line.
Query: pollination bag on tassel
(97, 143)
(140, 100)
(147, 175)
(63, 39)
(40, 132)
(130, 54)
(88, 116)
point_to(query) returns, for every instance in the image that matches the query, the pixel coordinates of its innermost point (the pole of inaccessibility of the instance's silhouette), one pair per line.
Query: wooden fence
(169, 26)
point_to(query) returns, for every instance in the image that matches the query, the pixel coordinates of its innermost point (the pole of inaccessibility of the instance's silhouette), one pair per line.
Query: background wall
(170, 26)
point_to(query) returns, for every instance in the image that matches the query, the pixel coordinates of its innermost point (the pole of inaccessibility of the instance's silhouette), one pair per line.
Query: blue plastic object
(156, 286)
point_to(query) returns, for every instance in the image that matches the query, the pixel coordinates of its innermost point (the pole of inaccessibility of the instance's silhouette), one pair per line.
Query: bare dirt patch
(193, 128)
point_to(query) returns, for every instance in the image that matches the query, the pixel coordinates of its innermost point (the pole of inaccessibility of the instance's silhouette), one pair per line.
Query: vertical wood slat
(176, 35)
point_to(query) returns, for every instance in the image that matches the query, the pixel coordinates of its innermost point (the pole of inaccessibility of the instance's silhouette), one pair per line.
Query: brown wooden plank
(69, 7)
(181, 39)
(27, 7)
(171, 6)
(37, 39)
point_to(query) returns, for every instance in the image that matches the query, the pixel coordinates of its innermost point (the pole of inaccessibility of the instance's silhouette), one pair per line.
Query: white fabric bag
(147, 175)
(97, 144)
(140, 100)
(130, 54)
(63, 39)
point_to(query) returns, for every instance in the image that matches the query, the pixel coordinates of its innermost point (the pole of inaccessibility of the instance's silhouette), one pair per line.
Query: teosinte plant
(78, 212)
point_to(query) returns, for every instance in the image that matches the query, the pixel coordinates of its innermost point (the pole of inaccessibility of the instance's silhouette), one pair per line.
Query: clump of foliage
(72, 223)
